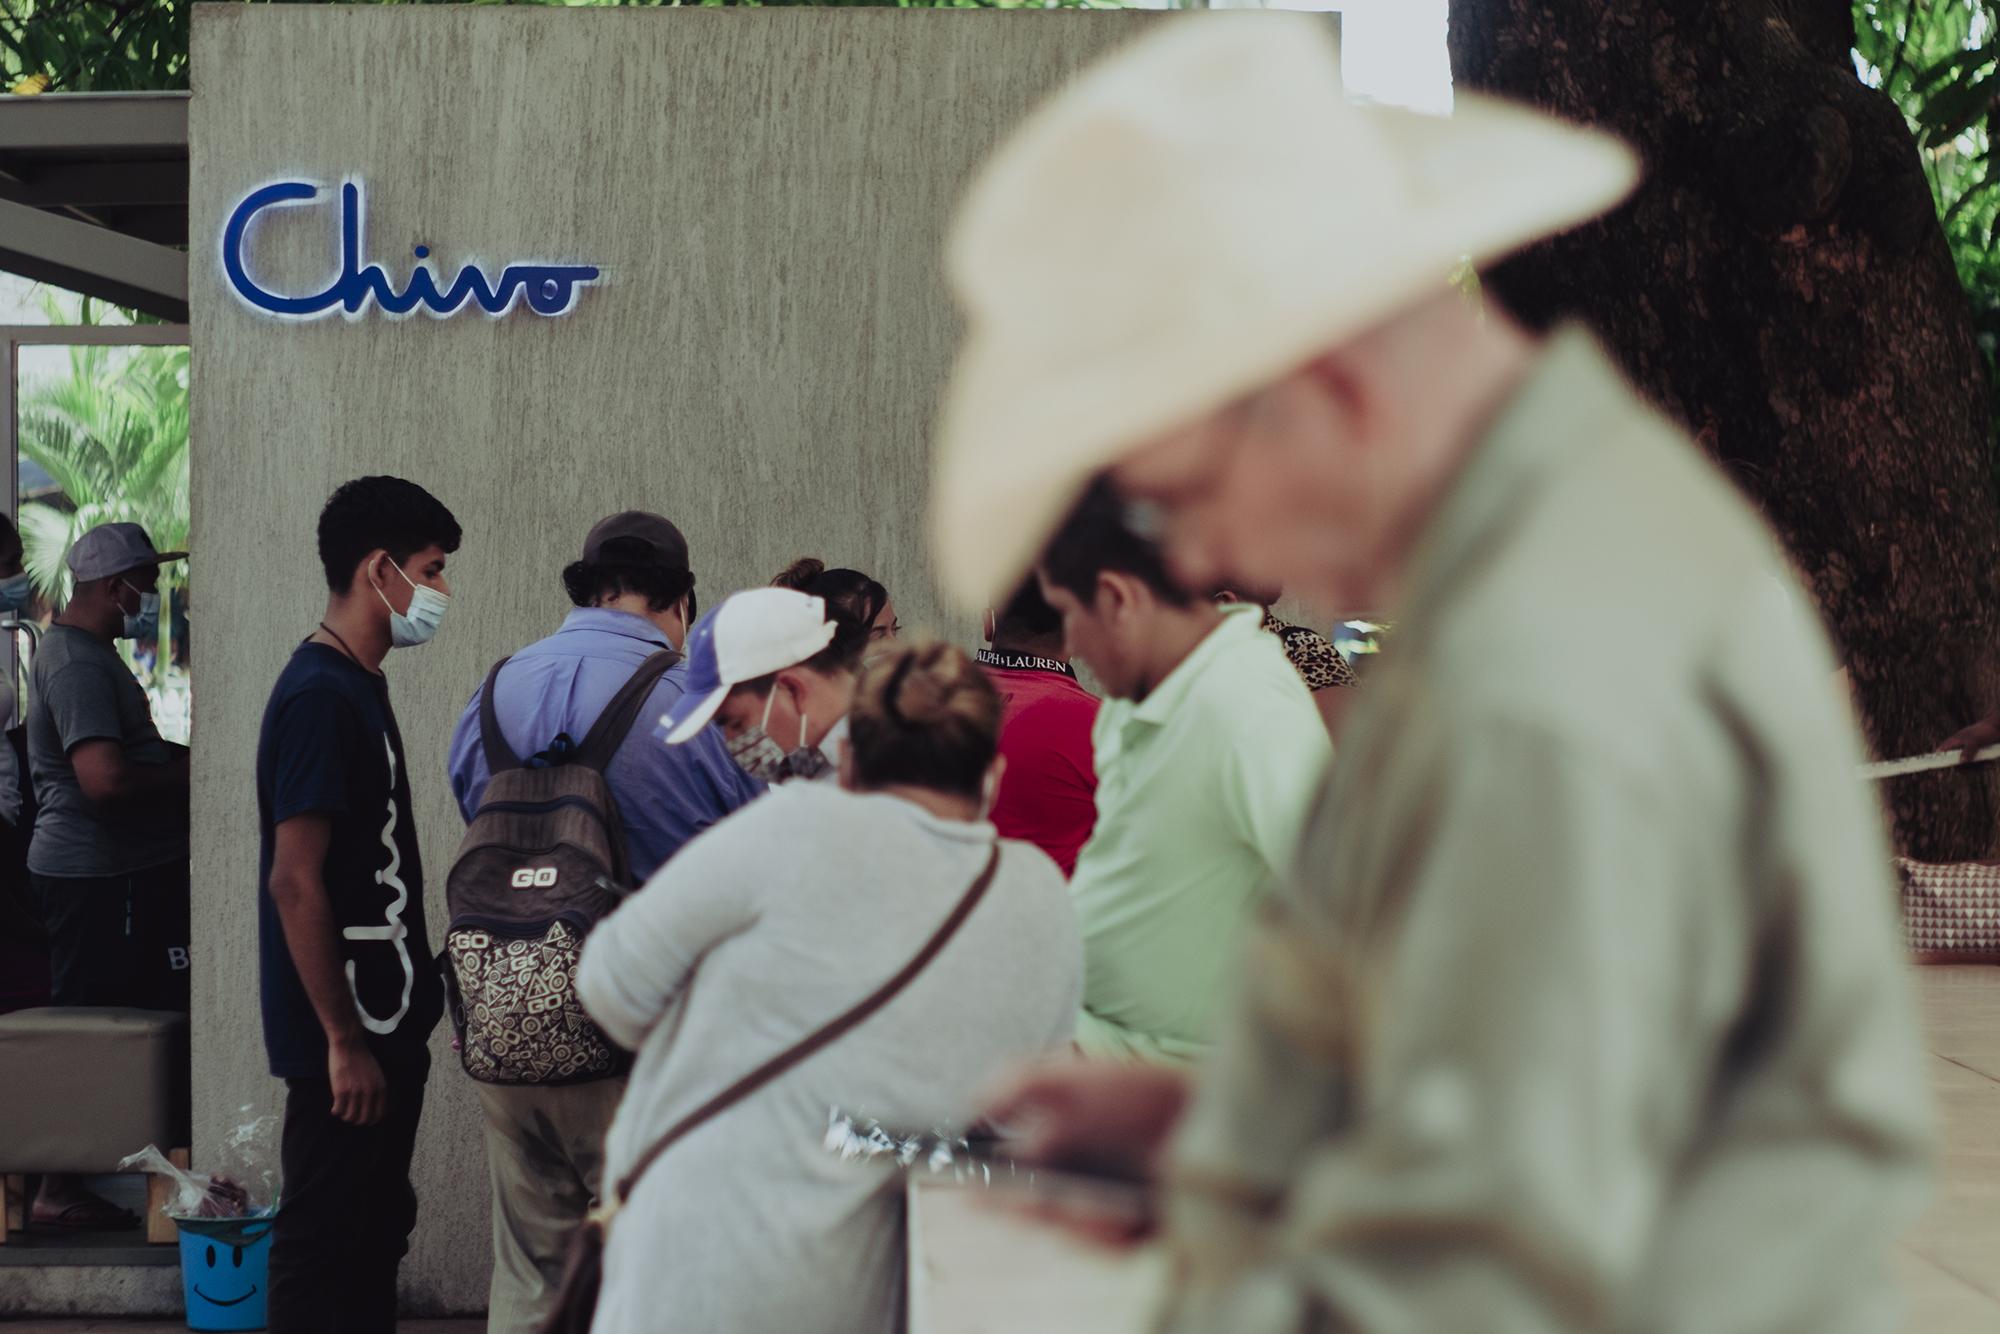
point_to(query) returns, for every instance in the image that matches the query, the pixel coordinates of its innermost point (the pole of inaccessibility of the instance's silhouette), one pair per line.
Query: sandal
(91, 1215)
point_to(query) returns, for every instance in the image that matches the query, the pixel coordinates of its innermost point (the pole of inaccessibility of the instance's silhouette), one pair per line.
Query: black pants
(119, 939)
(348, 1210)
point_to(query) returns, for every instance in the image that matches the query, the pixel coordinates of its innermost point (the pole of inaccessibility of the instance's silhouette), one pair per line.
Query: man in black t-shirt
(350, 991)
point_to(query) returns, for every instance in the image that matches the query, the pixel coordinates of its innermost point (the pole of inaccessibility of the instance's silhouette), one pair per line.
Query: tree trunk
(1781, 286)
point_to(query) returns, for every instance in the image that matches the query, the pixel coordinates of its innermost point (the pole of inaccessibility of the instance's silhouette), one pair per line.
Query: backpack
(542, 862)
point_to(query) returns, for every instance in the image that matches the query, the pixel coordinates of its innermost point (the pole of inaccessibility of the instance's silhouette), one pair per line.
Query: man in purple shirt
(634, 595)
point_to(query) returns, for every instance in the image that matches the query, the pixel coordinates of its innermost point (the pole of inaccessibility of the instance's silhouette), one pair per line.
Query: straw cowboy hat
(1195, 218)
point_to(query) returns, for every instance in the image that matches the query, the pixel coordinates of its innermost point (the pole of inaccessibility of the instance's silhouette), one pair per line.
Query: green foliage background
(82, 46)
(1940, 61)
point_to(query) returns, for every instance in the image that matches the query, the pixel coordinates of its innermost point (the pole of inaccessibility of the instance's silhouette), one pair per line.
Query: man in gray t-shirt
(109, 856)
(94, 824)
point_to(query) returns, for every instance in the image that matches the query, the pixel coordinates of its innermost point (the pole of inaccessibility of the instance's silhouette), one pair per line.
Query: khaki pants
(545, 1152)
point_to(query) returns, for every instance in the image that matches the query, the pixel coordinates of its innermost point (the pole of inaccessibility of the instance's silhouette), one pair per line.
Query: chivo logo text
(547, 289)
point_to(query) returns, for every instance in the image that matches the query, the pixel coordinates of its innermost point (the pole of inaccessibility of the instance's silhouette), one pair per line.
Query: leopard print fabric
(1312, 654)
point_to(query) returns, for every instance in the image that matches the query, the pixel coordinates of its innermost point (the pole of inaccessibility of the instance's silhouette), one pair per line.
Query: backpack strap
(609, 731)
(499, 755)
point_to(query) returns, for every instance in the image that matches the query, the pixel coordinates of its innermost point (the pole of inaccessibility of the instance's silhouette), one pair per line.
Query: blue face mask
(145, 624)
(16, 593)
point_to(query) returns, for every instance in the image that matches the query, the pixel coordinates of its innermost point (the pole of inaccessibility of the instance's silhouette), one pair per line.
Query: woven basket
(1951, 911)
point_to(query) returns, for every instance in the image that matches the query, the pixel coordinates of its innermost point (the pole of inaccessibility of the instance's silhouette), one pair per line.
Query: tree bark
(1780, 285)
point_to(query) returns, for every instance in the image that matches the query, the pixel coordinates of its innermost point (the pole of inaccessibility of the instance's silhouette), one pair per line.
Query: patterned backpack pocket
(515, 1006)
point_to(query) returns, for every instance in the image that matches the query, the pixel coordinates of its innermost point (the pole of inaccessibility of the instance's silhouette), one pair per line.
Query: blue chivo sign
(548, 289)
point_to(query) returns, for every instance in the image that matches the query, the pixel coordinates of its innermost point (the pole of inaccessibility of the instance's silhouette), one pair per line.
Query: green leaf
(1948, 69)
(1956, 109)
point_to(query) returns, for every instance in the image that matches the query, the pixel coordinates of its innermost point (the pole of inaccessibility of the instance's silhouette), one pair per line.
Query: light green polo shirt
(1202, 790)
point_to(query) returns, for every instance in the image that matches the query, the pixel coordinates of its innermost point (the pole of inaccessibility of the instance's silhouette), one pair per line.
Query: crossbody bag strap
(499, 755)
(819, 1039)
(608, 733)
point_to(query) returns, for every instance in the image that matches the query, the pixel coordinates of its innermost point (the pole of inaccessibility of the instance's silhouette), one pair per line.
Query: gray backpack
(542, 862)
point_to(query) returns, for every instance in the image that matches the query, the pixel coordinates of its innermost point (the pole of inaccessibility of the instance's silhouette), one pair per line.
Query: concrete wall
(766, 189)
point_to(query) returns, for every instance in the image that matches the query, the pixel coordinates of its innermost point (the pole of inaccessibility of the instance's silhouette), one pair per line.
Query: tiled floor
(979, 1261)
(1951, 1263)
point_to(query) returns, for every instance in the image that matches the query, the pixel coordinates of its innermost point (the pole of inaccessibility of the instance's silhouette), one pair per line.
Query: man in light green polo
(1209, 754)
(1584, 1008)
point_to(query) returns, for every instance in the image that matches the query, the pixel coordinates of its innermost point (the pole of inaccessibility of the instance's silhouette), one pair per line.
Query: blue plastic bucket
(224, 1271)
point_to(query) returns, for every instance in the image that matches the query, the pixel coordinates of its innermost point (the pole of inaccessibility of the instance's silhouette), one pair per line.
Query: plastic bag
(249, 1154)
(966, 1157)
(246, 1186)
(192, 1196)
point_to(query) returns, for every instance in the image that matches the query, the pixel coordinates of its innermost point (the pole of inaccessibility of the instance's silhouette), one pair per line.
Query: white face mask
(145, 622)
(420, 624)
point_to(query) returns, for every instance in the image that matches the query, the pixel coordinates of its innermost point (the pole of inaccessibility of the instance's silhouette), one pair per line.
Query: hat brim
(158, 558)
(691, 713)
(1019, 442)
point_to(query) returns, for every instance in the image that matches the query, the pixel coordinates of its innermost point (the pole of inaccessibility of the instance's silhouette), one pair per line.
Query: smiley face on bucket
(214, 1279)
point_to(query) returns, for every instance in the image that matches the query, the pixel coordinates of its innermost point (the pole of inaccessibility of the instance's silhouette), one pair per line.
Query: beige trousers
(545, 1153)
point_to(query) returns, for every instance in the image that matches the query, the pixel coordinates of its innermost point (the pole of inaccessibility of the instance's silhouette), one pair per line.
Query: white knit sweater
(758, 932)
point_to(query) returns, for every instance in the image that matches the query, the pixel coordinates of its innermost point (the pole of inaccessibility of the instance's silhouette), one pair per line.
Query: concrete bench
(82, 1088)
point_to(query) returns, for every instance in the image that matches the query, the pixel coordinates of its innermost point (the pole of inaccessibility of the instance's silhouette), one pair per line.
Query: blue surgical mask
(16, 593)
(145, 623)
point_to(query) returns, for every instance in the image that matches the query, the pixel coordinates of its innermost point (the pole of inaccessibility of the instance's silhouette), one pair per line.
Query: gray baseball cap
(114, 548)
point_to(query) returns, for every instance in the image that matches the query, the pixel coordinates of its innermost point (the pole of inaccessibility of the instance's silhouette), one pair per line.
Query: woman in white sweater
(762, 930)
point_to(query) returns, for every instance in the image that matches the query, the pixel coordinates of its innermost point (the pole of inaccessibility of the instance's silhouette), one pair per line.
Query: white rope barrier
(1916, 764)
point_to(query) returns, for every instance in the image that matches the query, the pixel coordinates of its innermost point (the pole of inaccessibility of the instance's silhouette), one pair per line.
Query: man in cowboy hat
(1584, 1007)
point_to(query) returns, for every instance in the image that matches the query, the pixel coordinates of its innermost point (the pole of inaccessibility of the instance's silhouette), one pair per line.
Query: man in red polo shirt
(1048, 794)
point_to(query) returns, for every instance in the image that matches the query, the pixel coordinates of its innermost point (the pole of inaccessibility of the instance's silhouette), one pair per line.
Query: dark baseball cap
(662, 542)
(114, 548)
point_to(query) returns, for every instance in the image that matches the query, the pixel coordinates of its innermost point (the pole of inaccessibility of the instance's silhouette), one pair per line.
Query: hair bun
(924, 686)
(924, 713)
(800, 574)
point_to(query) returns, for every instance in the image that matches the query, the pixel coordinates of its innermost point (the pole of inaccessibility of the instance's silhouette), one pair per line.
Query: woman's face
(802, 708)
(777, 713)
(885, 626)
(741, 710)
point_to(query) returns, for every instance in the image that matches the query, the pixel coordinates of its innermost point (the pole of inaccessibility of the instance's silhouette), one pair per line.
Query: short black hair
(1027, 618)
(1095, 539)
(10, 536)
(388, 513)
(628, 565)
(1244, 591)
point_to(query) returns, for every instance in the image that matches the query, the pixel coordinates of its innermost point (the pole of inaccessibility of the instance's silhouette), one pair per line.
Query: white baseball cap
(752, 634)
